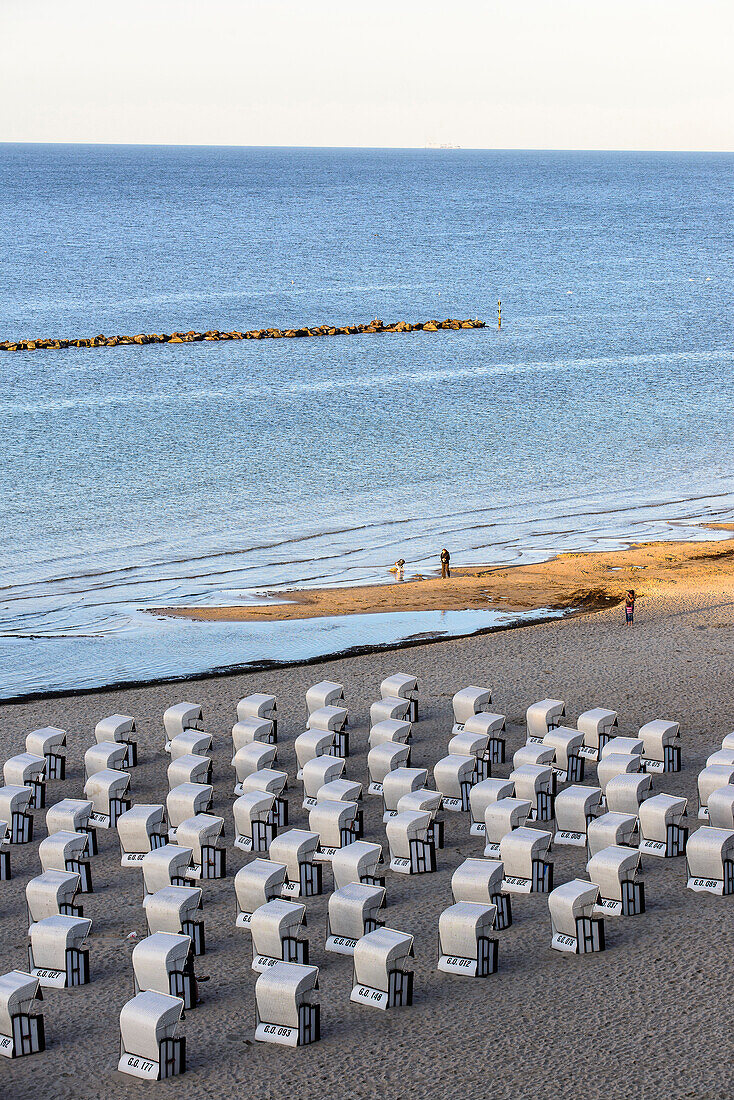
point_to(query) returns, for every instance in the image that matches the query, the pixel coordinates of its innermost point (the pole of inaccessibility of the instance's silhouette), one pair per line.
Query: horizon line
(428, 148)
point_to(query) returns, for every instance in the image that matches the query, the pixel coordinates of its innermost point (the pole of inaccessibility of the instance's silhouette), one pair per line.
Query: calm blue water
(210, 473)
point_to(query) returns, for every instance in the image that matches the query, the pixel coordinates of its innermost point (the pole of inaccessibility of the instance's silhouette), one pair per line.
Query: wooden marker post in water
(499, 314)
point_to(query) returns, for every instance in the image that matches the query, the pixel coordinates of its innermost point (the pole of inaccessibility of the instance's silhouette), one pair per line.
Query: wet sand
(649, 1017)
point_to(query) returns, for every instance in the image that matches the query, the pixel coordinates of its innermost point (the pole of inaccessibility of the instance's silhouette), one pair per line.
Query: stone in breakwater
(103, 341)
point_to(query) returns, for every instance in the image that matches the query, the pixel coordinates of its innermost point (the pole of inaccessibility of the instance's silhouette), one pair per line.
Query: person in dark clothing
(629, 606)
(445, 559)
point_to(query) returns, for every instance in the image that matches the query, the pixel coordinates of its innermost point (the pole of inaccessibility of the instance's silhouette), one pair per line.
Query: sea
(600, 413)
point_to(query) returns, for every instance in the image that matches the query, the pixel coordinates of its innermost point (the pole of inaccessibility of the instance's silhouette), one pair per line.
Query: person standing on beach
(445, 559)
(629, 606)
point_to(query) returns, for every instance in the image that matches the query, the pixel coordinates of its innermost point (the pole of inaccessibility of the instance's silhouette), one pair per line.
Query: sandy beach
(648, 1017)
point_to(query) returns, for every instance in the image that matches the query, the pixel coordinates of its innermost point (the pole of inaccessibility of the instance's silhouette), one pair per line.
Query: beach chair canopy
(48, 739)
(502, 817)
(292, 848)
(18, 991)
(470, 701)
(257, 705)
(158, 956)
(570, 902)
(320, 770)
(189, 768)
(351, 906)
(575, 805)
(385, 758)
(281, 991)
(54, 851)
(117, 727)
(139, 824)
(329, 818)
(462, 924)
(399, 686)
(707, 850)
(520, 848)
(171, 906)
(658, 812)
(610, 829)
(721, 807)
(421, 799)
(392, 729)
(339, 790)
(257, 883)
(487, 791)
(104, 786)
(612, 866)
(357, 861)
(163, 864)
(594, 722)
(399, 781)
(542, 715)
(24, 769)
(404, 827)
(70, 815)
(379, 952)
(478, 880)
(248, 730)
(265, 779)
(625, 793)
(451, 772)
(186, 800)
(616, 763)
(195, 742)
(14, 800)
(46, 893)
(53, 936)
(273, 922)
(623, 745)
(180, 717)
(202, 830)
(312, 743)
(325, 693)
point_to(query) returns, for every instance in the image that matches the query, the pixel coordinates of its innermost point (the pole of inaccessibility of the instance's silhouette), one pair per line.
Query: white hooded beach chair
(50, 743)
(575, 808)
(721, 756)
(534, 753)
(611, 829)
(352, 913)
(492, 726)
(187, 800)
(180, 717)
(662, 829)
(412, 847)
(109, 792)
(535, 782)
(401, 686)
(119, 727)
(385, 758)
(149, 1048)
(465, 943)
(598, 726)
(204, 835)
(296, 849)
(468, 702)
(287, 1011)
(312, 744)
(727, 742)
(21, 1025)
(397, 782)
(326, 693)
(255, 822)
(164, 963)
(574, 925)
(523, 853)
(51, 894)
(274, 782)
(616, 763)
(543, 716)
(277, 934)
(384, 710)
(316, 772)
(622, 745)
(661, 740)
(262, 708)
(141, 829)
(480, 880)
(625, 793)
(425, 800)
(57, 954)
(176, 909)
(15, 802)
(710, 861)
(73, 815)
(454, 777)
(338, 825)
(105, 756)
(166, 866)
(568, 763)
(382, 978)
(27, 769)
(358, 862)
(475, 745)
(709, 780)
(391, 730)
(614, 870)
(65, 852)
(721, 807)
(500, 818)
(255, 884)
(333, 720)
(340, 790)
(195, 742)
(252, 729)
(189, 768)
(481, 795)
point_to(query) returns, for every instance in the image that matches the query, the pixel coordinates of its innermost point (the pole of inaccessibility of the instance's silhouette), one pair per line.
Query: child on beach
(445, 559)
(629, 605)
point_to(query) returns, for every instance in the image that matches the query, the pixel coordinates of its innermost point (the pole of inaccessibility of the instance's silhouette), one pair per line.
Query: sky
(547, 74)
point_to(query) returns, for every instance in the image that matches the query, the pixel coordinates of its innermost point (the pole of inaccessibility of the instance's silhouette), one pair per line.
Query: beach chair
(614, 870)
(401, 686)
(568, 763)
(500, 818)
(296, 849)
(523, 853)
(616, 763)
(15, 802)
(119, 727)
(255, 822)
(180, 717)
(625, 793)
(262, 708)
(5, 873)
(51, 894)
(108, 792)
(352, 913)
(575, 808)
(274, 782)
(721, 756)
(204, 835)
(185, 801)
(597, 726)
(50, 743)
(662, 832)
(543, 716)
(465, 945)
(141, 829)
(623, 746)
(575, 927)
(709, 780)
(611, 829)
(65, 852)
(535, 782)
(721, 807)
(193, 742)
(255, 884)
(149, 1047)
(105, 756)
(312, 744)
(492, 726)
(424, 800)
(661, 752)
(727, 742)
(73, 815)
(382, 977)
(166, 866)
(384, 710)
(382, 759)
(454, 777)
(468, 702)
(252, 729)
(412, 847)
(58, 954)
(316, 772)
(176, 909)
(710, 861)
(21, 1025)
(397, 782)
(277, 934)
(164, 963)
(27, 769)
(324, 694)
(480, 880)
(481, 795)
(358, 862)
(475, 745)
(287, 1011)
(390, 731)
(189, 768)
(338, 824)
(340, 790)
(534, 753)
(333, 720)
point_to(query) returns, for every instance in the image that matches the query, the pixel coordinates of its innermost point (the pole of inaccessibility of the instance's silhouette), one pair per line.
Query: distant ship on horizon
(441, 145)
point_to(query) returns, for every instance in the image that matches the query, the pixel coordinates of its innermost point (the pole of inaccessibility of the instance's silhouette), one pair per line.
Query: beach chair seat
(277, 934)
(597, 726)
(204, 835)
(615, 871)
(149, 1046)
(108, 791)
(15, 804)
(397, 782)
(53, 893)
(402, 686)
(316, 772)
(57, 953)
(454, 776)
(383, 977)
(568, 763)
(65, 852)
(164, 963)
(536, 783)
(27, 769)
(616, 763)
(465, 943)
(500, 818)
(383, 758)
(466, 703)
(255, 821)
(625, 793)
(287, 1011)
(710, 779)
(391, 730)
(662, 829)
(141, 829)
(358, 862)
(49, 742)
(189, 768)
(542, 716)
(492, 726)
(333, 720)
(255, 884)
(527, 870)
(180, 717)
(575, 925)
(121, 728)
(721, 807)
(73, 815)
(611, 829)
(662, 750)
(252, 729)
(326, 693)
(338, 824)
(194, 742)
(177, 909)
(412, 847)
(353, 911)
(480, 880)
(296, 849)
(166, 866)
(575, 808)
(481, 795)
(22, 1028)
(710, 861)
(339, 790)
(311, 744)
(274, 782)
(187, 800)
(262, 708)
